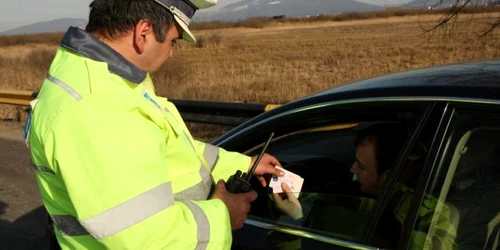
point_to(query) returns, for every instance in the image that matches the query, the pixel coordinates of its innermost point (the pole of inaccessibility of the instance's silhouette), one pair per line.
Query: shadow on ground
(22, 217)
(27, 232)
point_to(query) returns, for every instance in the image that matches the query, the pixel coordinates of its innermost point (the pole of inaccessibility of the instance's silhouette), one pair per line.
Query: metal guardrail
(207, 112)
(16, 97)
(220, 113)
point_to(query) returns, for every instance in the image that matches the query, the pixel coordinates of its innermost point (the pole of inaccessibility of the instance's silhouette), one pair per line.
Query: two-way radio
(240, 182)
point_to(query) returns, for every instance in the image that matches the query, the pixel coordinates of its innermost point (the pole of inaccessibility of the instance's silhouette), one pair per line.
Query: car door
(464, 183)
(317, 142)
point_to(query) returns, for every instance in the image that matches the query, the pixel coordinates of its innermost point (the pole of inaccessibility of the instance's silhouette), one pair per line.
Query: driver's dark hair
(388, 139)
(110, 18)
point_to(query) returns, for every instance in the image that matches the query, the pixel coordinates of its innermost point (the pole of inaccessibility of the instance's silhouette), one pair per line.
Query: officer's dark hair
(388, 139)
(110, 18)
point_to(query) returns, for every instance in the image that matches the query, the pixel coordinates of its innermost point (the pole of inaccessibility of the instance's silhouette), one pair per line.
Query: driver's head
(376, 150)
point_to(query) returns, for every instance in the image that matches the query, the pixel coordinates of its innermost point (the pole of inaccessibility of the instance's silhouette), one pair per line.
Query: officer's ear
(143, 33)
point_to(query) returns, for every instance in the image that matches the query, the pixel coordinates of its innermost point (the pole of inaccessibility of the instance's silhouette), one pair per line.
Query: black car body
(452, 112)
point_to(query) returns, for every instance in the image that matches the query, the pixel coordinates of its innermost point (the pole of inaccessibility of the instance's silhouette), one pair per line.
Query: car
(452, 113)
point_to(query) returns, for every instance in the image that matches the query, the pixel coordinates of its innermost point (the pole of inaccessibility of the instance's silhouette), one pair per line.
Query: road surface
(22, 216)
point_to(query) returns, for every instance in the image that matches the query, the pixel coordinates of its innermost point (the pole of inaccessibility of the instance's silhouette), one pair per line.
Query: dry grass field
(280, 63)
(283, 61)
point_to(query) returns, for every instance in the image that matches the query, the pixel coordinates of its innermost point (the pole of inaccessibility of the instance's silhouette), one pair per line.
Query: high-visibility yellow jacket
(116, 166)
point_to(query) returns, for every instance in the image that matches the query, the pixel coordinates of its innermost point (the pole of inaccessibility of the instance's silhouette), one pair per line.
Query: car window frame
(434, 109)
(424, 103)
(440, 156)
(426, 175)
(250, 127)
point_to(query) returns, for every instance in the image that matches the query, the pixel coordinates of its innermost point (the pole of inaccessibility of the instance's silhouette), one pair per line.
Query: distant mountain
(58, 25)
(442, 4)
(433, 3)
(230, 10)
(385, 3)
(293, 8)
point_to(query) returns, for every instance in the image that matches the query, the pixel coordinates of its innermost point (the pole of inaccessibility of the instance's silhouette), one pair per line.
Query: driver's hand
(291, 205)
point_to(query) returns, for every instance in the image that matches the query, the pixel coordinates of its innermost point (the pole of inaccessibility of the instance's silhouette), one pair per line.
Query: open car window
(332, 203)
(316, 154)
(318, 144)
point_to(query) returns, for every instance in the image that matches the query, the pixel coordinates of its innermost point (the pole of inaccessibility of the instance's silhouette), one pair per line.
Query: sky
(16, 13)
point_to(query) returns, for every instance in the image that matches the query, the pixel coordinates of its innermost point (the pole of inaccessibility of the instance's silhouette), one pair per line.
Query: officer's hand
(267, 165)
(238, 205)
(291, 205)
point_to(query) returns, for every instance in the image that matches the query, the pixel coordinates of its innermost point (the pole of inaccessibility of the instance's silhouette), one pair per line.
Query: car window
(331, 201)
(318, 143)
(401, 191)
(464, 211)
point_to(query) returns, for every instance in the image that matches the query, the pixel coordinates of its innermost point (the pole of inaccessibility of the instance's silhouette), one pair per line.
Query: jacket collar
(85, 44)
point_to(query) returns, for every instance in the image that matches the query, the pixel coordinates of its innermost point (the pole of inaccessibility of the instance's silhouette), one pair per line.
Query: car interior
(474, 190)
(323, 157)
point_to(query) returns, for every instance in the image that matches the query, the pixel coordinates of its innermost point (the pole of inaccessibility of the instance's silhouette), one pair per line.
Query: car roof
(473, 80)
(483, 74)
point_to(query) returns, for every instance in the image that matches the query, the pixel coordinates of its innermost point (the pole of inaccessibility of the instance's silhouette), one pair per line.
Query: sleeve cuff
(228, 163)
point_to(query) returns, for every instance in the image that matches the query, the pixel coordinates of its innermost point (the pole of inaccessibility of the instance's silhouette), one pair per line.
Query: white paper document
(293, 181)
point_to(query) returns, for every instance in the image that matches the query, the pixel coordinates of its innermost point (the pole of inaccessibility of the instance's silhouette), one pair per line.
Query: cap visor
(187, 35)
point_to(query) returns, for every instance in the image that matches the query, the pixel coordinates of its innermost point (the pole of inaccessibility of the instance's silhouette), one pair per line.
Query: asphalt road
(22, 216)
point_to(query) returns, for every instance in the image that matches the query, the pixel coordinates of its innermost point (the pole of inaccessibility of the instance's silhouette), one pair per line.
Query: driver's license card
(293, 181)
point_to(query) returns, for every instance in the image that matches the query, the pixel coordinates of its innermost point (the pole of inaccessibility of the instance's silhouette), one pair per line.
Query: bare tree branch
(455, 9)
(493, 26)
(458, 7)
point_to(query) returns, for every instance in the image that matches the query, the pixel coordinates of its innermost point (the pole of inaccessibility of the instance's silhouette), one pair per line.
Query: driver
(376, 149)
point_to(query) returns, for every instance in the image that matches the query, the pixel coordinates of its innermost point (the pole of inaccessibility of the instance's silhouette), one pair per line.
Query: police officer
(115, 164)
